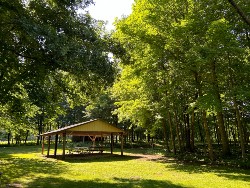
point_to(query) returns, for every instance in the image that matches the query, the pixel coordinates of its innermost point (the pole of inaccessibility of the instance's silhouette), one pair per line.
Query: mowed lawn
(26, 167)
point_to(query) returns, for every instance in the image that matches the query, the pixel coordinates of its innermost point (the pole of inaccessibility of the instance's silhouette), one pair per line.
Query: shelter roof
(94, 127)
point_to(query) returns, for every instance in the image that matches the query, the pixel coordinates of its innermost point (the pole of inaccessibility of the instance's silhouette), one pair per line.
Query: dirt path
(147, 157)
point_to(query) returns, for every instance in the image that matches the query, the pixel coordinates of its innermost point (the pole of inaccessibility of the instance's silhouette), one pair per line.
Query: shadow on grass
(118, 183)
(145, 151)
(19, 149)
(221, 171)
(21, 167)
(189, 167)
(241, 176)
(97, 157)
(14, 168)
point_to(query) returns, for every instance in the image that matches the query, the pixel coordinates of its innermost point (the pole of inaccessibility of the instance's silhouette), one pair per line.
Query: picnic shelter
(93, 128)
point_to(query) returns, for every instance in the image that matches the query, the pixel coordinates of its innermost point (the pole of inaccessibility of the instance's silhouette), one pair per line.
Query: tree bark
(217, 132)
(187, 131)
(192, 131)
(240, 12)
(9, 136)
(219, 115)
(132, 134)
(164, 126)
(40, 129)
(208, 138)
(200, 130)
(240, 129)
(148, 137)
(223, 135)
(245, 130)
(26, 137)
(171, 132)
(178, 132)
(204, 120)
(198, 93)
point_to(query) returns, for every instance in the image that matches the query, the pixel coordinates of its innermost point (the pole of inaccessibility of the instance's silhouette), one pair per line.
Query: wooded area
(186, 72)
(179, 74)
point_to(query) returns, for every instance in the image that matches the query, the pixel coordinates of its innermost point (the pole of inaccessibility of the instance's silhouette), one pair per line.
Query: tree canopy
(186, 63)
(51, 55)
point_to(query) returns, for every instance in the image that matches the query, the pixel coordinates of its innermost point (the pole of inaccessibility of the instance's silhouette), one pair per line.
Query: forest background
(179, 72)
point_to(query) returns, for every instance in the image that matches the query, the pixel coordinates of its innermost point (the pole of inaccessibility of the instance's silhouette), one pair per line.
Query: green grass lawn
(26, 166)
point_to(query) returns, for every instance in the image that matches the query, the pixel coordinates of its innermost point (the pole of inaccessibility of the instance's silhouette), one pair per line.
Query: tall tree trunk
(223, 135)
(148, 137)
(207, 133)
(192, 131)
(245, 131)
(192, 128)
(200, 130)
(238, 119)
(240, 129)
(187, 131)
(219, 110)
(235, 133)
(38, 137)
(26, 137)
(132, 134)
(228, 128)
(204, 120)
(198, 93)
(171, 132)
(240, 12)
(137, 136)
(178, 132)
(40, 129)
(164, 126)
(9, 136)
(217, 132)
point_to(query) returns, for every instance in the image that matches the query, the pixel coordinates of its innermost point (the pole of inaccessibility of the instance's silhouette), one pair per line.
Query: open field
(26, 167)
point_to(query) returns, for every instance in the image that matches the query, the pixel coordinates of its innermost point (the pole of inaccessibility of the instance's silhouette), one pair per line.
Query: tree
(50, 36)
(16, 116)
(179, 52)
(53, 52)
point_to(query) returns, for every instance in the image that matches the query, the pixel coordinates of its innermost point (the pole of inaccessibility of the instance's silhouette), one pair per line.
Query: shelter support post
(101, 140)
(56, 142)
(111, 143)
(64, 143)
(121, 135)
(48, 146)
(42, 145)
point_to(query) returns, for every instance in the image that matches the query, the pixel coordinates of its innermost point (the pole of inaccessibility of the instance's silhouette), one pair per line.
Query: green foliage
(102, 107)
(51, 57)
(182, 57)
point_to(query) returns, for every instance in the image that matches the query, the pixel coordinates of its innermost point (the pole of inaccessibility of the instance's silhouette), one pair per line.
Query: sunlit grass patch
(28, 167)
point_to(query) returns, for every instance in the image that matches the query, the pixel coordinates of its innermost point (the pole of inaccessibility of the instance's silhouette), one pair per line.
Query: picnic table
(96, 148)
(90, 149)
(81, 149)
